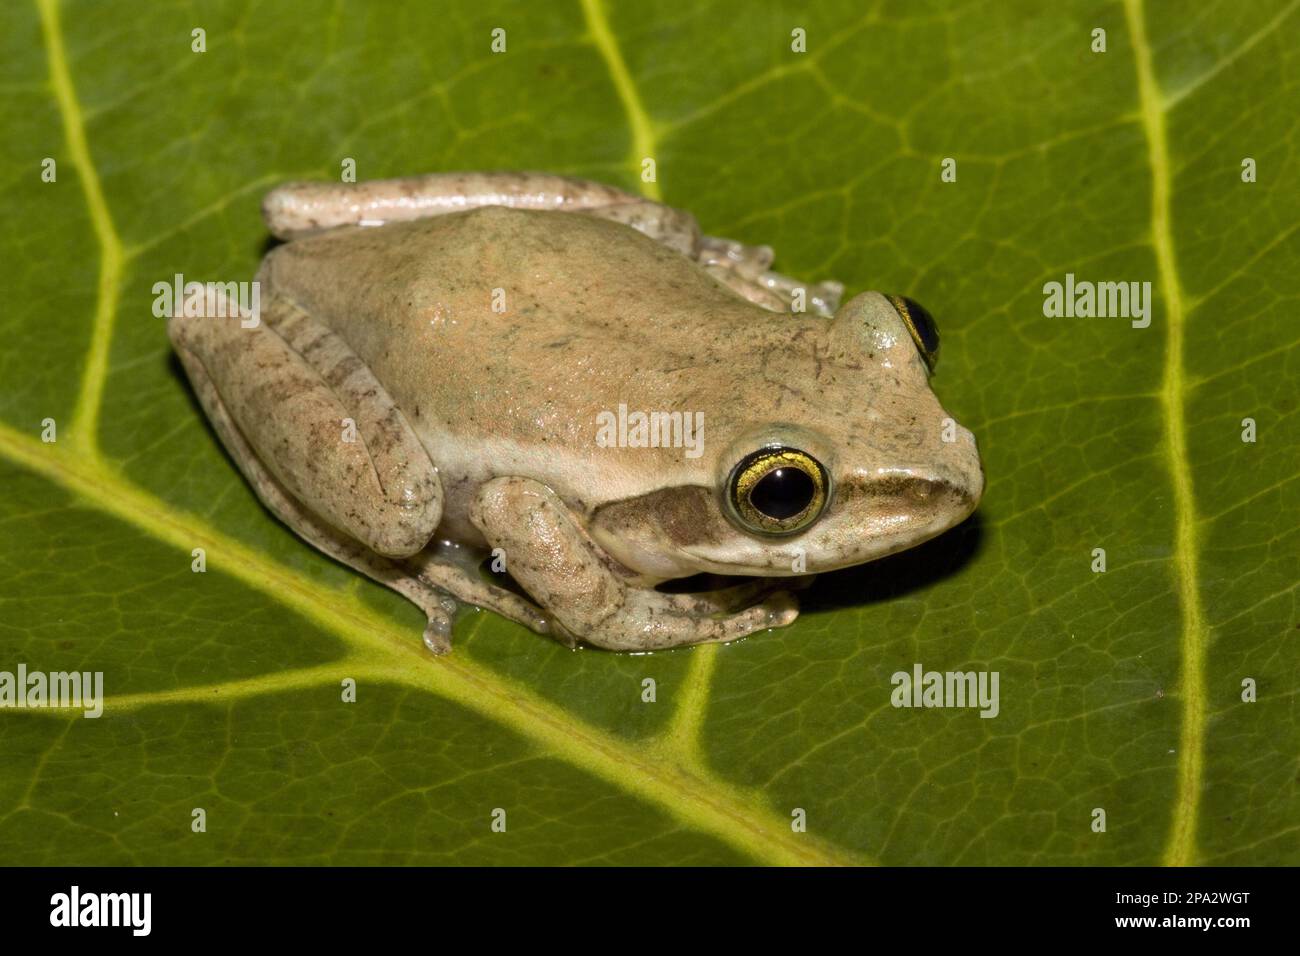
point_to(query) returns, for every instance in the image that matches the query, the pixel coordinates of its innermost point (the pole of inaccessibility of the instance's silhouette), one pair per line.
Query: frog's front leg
(568, 574)
(745, 269)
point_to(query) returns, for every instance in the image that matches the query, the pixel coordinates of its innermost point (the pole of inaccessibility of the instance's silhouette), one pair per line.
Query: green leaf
(1119, 690)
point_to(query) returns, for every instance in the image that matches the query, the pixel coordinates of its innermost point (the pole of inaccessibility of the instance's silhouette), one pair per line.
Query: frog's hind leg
(292, 388)
(299, 209)
(745, 269)
(317, 418)
(675, 228)
(285, 506)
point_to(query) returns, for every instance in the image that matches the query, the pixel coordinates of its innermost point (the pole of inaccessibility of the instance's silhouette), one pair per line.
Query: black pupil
(925, 325)
(782, 493)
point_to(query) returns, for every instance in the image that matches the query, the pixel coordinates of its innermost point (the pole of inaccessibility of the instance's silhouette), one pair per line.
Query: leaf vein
(1180, 849)
(86, 415)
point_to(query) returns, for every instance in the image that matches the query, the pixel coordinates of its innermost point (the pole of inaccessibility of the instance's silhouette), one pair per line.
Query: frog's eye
(777, 490)
(921, 324)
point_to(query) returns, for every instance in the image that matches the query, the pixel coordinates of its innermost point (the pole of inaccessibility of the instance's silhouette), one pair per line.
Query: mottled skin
(476, 428)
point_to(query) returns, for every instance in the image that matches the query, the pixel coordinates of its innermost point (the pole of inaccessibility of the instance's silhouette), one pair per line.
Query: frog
(561, 402)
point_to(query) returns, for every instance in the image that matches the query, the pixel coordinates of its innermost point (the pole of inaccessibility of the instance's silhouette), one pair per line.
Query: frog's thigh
(298, 209)
(292, 386)
(564, 571)
(307, 525)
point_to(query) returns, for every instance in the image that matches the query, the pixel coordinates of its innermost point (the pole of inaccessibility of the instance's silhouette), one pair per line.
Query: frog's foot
(454, 571)
(748, 262)
(568, 574)
(820, 298)
(744, 269)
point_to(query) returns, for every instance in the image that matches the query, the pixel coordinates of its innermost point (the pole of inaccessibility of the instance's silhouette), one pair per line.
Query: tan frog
(577, 381)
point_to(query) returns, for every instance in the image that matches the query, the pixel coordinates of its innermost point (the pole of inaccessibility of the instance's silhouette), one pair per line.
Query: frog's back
(522, 324)
(565, 268)
(594, 316)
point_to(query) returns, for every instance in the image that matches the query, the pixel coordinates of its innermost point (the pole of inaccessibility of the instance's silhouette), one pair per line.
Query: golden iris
(778, 490)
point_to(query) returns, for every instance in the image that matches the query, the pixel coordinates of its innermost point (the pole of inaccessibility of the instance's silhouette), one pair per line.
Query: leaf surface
(1119, 690)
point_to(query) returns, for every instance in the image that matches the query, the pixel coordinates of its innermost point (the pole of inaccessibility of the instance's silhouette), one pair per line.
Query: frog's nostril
(916, 495)
(919, 490)
(906, 489)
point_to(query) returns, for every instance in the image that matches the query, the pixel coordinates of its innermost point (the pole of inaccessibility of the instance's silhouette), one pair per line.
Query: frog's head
(843, 457)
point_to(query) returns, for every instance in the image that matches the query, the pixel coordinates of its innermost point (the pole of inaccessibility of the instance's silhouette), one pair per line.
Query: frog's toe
(778, 610)
(747, 261)
(650, 621)
(562, 634)
(826, 296)
(745, 270)
(437, 633)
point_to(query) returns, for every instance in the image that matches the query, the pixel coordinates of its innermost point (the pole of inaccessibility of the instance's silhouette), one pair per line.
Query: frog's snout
(967, 469)
(895, 500)
(919, 500)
